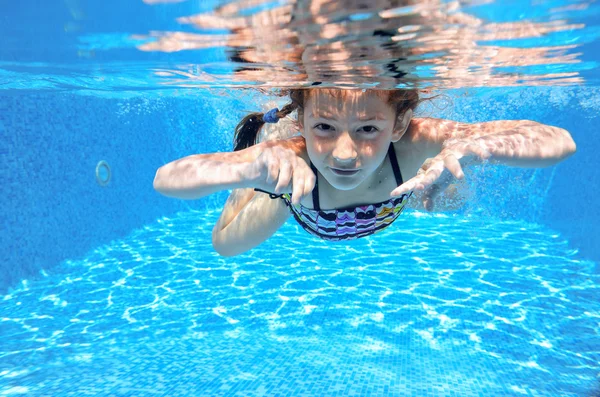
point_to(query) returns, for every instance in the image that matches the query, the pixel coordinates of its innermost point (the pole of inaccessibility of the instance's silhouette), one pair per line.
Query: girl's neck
(366, 191)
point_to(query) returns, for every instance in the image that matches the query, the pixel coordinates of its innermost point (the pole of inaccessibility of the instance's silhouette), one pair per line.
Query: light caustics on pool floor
(439, 305)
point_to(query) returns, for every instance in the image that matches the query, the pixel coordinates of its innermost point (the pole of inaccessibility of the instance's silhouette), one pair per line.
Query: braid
(287, 109)
(246, 132)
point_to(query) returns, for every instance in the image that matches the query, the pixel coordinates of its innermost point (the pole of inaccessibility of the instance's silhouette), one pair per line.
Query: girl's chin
(344, 182)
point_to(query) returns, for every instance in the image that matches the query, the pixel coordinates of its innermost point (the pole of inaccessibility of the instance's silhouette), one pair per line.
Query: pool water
(439, 305)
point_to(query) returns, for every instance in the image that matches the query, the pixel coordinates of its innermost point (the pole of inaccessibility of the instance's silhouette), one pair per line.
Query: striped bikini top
(351, 222)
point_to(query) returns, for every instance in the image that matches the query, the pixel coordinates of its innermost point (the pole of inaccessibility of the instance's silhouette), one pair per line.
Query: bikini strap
(271, 195)
(315, 192)
(395, 166)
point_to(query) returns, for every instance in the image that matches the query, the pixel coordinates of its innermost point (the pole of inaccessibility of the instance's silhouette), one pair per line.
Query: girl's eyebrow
(375, 117)
(326, 116)
(330, 117)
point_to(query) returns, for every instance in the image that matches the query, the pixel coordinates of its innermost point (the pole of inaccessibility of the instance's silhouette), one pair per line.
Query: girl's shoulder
(412, 155)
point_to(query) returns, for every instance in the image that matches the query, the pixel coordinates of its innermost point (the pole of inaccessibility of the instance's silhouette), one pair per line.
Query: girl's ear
(402, 125)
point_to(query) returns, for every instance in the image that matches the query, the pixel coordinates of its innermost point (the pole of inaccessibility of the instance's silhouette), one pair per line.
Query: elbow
(569, 145)
(158, 181)
(223, 251)
(221, 247)
(563, 143)
(160, 184)
(572, 146)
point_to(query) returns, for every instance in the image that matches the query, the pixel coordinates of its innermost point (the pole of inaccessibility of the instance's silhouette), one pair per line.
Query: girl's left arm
(518, 143)
(449, 146)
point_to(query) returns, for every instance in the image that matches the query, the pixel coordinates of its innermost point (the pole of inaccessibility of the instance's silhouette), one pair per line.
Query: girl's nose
(344, 151)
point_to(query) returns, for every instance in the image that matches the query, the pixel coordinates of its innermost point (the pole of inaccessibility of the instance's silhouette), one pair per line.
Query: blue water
(116, 291)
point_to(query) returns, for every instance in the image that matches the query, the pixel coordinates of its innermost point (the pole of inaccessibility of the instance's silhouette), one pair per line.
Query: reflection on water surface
(384, 43)
(164, 44)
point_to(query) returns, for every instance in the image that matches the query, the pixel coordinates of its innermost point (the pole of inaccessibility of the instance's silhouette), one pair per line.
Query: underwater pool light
(103, 173)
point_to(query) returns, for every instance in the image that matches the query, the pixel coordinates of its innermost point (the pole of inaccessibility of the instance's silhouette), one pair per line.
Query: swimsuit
(351, 222)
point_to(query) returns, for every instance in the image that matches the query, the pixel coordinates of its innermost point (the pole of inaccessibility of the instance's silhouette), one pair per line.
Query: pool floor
(439, 305)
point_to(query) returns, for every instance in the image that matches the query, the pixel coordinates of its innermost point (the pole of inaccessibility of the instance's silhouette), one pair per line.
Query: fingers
(428, 204)
(431, 193)
(426, 178)
(429, 174)
(300, 176)
(480, 151)
(473, 148)
(272, 171)
(404, 188)
(452, 164)
(297, 186)
(433, 168)
(285, 175)
(434, 172)
(304, 182)
(309, 182)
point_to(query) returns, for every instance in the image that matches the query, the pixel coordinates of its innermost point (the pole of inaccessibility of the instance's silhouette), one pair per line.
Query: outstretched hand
(436, 173)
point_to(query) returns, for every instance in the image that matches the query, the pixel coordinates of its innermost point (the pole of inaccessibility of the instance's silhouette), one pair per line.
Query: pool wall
(54, 209)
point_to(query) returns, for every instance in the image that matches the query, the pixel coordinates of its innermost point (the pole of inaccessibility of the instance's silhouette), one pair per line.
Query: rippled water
(450, 306)
(165, 44)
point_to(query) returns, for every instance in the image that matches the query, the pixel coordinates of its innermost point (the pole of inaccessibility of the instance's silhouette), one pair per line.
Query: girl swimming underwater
(360, 160)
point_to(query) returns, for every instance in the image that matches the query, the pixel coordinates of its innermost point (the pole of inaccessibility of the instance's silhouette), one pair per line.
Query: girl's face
(348, 136)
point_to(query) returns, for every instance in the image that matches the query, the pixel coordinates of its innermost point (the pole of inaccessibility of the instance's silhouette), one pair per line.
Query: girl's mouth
(344, 172)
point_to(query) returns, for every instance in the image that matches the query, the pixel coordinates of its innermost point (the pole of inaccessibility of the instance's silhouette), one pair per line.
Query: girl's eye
(324, 127)
(369, 129)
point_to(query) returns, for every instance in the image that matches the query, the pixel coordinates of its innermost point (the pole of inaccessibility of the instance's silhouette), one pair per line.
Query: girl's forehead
(337, 94)
(347, 100)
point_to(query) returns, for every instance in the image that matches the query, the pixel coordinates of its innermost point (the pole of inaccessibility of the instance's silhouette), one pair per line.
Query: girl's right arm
(199, 175)
(248, 219)
(274, 166)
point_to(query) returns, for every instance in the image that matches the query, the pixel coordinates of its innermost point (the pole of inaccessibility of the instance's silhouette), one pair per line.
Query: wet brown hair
(246, 132)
